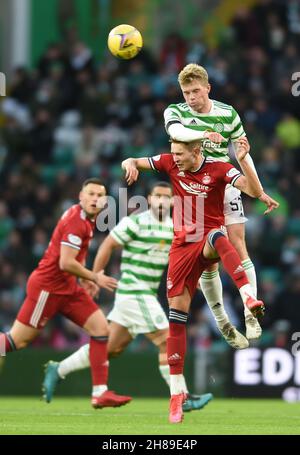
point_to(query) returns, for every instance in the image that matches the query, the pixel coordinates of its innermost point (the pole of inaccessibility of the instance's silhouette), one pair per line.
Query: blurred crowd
(72, 117)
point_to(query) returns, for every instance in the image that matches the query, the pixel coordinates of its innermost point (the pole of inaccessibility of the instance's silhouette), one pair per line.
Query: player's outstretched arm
(242, 154)
(247, 159)
(269, 202)
(248, 183)
(132, 166)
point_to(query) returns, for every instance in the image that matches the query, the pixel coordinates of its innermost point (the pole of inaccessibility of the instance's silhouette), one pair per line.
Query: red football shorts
(40, 306)
(186, 264)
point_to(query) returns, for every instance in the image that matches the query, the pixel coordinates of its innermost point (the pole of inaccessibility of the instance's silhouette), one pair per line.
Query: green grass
(147, 417)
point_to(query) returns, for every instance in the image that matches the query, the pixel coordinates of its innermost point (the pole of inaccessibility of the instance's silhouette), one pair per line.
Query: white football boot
(253, 329)
(233, 337)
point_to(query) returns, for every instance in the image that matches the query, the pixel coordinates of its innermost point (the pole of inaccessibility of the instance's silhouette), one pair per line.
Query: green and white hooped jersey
(146, 245)
(222, 119)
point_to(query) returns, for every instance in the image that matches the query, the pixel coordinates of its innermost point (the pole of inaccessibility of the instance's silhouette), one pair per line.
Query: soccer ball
(125, 41)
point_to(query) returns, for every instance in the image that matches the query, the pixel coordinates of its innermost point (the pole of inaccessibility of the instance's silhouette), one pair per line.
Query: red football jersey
(198, 195)
(75, 230)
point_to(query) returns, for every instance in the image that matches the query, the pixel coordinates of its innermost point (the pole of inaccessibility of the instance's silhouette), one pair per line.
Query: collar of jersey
(152, 217)
(83, 215)
(200, 167)
(203, 113)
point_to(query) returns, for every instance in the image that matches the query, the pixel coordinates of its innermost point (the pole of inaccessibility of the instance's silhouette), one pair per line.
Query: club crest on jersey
(206, 179)
(218, 127)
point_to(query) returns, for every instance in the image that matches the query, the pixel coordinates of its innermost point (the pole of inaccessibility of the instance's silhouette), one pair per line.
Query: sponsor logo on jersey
(160, 251)
(195, 188)
(207, 144)
(74, 239)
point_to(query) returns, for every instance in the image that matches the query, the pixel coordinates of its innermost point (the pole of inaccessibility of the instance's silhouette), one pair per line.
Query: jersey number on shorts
(237, 206)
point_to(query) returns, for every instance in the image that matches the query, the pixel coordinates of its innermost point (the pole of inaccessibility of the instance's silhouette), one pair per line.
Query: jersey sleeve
(231, 173)
(237, 127)
(125, 231)
(161, 163)
(171, 116)
(73, 234)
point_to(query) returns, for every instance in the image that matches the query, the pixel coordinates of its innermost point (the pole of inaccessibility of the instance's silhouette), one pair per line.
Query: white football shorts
(139, 314)
(233, 206)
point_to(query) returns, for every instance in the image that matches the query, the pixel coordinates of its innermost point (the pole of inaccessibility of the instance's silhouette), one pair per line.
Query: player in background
(199, 239)
(145, 240)
(216, 124)
(52, 288)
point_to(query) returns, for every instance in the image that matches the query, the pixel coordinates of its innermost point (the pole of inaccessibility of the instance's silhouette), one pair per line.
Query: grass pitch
(73, 416)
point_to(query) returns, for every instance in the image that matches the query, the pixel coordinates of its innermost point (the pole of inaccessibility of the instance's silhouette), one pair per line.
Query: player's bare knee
(18, 340)
(162, 347)
(97, 332)
(209, 250)
(96, 328)
(21, 344)
(213, 235)
(159, 339)
(96, 325)
(115, 351)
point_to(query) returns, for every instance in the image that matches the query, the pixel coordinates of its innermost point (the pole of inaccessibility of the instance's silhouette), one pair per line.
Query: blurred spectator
(41, 137)
(81, 57)
(173, 52)
(6, 224)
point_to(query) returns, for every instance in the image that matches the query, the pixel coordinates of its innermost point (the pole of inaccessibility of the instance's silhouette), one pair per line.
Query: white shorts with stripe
(139, 313)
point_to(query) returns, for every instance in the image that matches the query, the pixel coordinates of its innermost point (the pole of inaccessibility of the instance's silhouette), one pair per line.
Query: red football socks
(231, 261)
(176, 347)
(98, 360)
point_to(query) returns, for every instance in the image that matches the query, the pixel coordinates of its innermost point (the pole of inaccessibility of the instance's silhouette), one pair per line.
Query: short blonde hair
(190, 145)
(192, 72)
